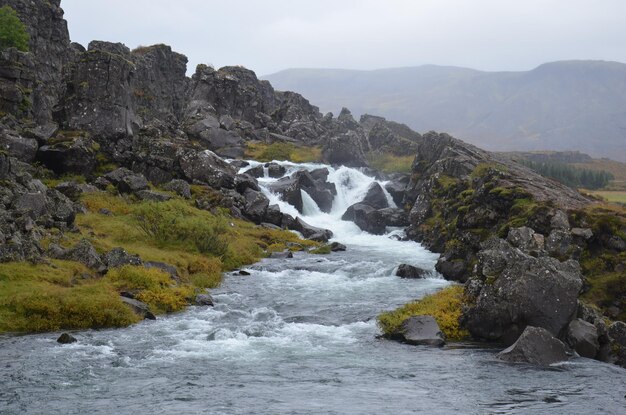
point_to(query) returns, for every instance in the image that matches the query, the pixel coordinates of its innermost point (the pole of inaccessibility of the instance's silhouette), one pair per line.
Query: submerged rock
(66, 338)
(536, 346)
(281, 255)
(409, 271)
(420, 331)
(203, 300)
(337, 247)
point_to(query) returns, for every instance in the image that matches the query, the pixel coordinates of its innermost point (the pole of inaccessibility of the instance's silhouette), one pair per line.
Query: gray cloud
(271, 35)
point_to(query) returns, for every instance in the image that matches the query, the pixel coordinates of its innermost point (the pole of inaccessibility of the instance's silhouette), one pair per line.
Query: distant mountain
(567, 105)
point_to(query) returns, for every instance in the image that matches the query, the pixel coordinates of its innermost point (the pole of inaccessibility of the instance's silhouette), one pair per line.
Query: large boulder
(31, 203)
(347, 149)
(518, 290)
(65, 155)
(420, 331)
(118, 257)
(396, 188)
(256, 205)
(82, 252)
(207, 167)
(526, 239)
(22, 148)
(394, 217)
(366, 218)
(289, 190)
(310, 232)
(583, 337)
(375, 197)
(536, 346)
(180, 187)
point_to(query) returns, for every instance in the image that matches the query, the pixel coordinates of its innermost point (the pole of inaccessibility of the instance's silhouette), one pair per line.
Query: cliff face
(50, 52)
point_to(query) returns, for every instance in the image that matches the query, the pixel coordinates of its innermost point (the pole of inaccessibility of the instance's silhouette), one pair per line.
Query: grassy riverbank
(201, 245)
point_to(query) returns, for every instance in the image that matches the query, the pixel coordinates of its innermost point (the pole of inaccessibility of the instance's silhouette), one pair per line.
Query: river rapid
(297, 336)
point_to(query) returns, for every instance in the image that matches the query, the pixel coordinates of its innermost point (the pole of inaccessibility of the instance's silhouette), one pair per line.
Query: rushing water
(297, 336)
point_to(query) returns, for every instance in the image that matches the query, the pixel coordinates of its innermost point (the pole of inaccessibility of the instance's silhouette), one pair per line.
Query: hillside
(567, 105)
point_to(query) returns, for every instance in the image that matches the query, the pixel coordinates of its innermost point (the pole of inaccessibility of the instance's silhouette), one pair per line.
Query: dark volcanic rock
(536, 346)
(153, 196)
(23, 149)
(281, 255)
(519, 291)
(583, 337)
(82, 252)
(256, 205)
(207, 167)
(289, 190)
(394, 217)
(118, 257)
(170, 269)
(66, 338)
(139, 308)
(409, 271)
(180, 187)
(366, 218)
(347, 149)
(276, 170)
(69, 155)
(203, 300)
(375, 197)
(311, 232)
(337, 247)
(452, 269)
(99, 95)
(420, 331)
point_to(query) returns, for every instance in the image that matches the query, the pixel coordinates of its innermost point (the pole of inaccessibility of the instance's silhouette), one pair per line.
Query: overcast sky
(270, 35)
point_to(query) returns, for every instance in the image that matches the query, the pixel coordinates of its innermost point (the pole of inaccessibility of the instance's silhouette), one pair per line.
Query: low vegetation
(570, 175)
(283, 152)
(58, 295)
(201, 245)
(13, 32)
(610, 196)
(444, 306)
(390, 163)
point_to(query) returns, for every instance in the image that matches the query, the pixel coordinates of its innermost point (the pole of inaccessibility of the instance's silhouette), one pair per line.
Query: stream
(297, 336)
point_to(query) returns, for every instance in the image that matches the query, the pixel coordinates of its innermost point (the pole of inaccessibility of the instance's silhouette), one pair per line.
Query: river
(297, 336)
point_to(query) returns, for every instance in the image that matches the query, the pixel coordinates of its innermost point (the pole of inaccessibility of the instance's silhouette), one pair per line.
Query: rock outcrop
(420, 331)
(536, 346)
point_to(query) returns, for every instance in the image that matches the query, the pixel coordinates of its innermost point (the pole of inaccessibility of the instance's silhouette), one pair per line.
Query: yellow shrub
(166, 300)
(130, 277)
(34, 303)
(444, 306)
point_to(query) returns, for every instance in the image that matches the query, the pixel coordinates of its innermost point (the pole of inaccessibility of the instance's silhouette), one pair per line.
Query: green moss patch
(445, 306)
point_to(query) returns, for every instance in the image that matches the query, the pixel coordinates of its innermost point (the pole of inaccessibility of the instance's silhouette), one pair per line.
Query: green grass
(390, 163)
(610, 196)
(47, 297)
(444, 306)
(283, 151)
(322, 250)
(56, 296)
